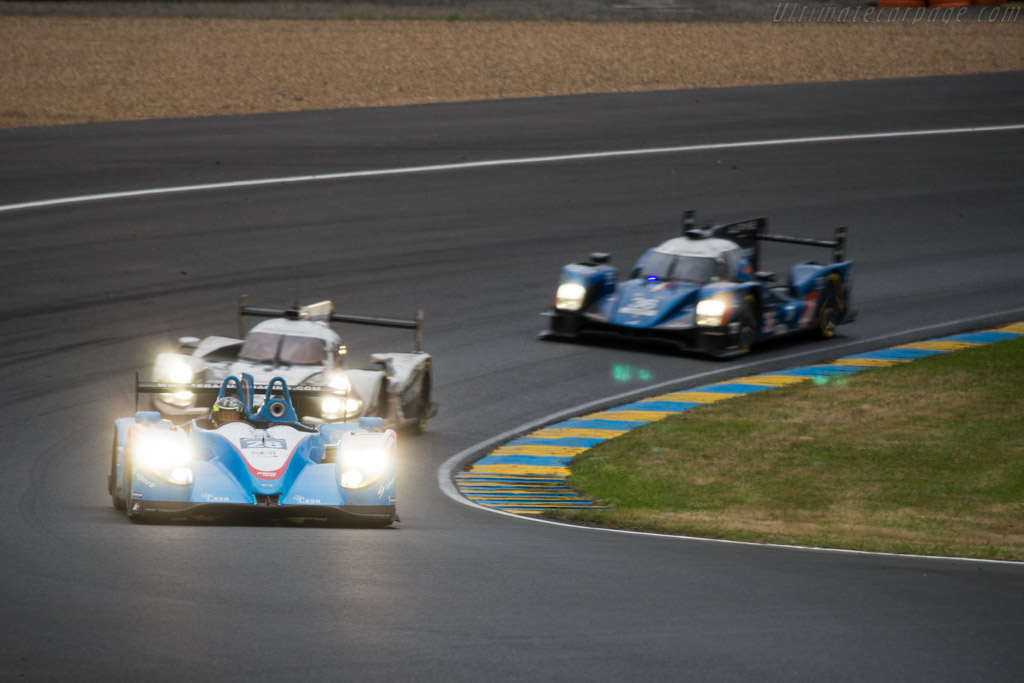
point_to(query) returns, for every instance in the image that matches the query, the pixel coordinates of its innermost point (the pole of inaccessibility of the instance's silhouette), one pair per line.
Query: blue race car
(704, 291)
(264, 464)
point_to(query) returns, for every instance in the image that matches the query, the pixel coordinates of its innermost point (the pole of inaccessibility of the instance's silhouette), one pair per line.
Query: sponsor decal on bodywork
(210, 498)
(640, 305)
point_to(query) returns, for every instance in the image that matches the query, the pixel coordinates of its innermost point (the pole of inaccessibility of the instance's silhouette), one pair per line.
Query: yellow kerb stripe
(694, 397)
(562, 451)
(488, 492)
(563, 432)
(771, 380)
(628, 415)
(870, 362)
(938, 345)
(523, 469)
(1012, 328)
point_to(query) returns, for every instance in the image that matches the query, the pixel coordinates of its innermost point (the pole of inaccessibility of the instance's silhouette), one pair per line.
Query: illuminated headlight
(167, 457)
(711, 312)
(361, 466)
(569, 296)
(176, 372)
(337, 407)
(181, 399)
(339, 382)
(180, 373)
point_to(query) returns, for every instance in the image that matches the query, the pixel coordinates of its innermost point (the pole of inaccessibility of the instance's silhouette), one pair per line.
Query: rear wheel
(748, 324)
(830, 310)
(423, 404)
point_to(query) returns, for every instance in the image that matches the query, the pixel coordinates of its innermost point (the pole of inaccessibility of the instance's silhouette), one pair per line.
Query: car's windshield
(264, 347)
(303, 350)
(662, 266)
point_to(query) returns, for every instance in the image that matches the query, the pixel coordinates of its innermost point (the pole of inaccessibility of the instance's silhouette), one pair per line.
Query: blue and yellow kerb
(528, 475)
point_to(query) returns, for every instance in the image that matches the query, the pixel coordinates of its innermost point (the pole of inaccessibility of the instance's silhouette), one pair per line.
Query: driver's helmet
(227, 409)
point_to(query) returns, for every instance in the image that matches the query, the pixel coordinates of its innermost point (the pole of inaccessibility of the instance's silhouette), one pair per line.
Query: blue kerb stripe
(510, 480)
(638, 406)
(570, 441)
(876, 355)
(615, 425)
(898, 354)
(539, 460)
(519, 505)
(727, 388)
(824, 371)
(513, 506)
(663, 406)
(981, 337)
(534, 490)
(659, 406)
(531, 497)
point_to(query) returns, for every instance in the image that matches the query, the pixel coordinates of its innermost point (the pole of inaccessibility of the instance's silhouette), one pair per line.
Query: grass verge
(923, 458)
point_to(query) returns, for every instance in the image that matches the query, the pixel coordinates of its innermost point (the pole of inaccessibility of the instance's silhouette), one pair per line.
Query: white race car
(299, 345)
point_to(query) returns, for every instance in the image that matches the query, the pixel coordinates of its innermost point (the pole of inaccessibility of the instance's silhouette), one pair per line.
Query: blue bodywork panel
(662, 298)
(266, 463)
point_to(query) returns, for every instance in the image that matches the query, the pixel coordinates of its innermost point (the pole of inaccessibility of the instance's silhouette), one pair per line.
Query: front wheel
(126, 473)
(117, 499)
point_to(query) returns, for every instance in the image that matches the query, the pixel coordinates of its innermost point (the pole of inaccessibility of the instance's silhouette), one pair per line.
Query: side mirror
(187, 343)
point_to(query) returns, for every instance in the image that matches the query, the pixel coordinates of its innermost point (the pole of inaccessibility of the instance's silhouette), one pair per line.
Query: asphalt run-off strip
(529, 475)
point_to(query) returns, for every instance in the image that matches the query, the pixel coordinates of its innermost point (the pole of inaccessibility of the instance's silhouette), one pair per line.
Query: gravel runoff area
(72, 62)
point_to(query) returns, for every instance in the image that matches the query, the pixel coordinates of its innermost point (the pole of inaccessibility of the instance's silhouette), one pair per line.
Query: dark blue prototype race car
(704, 291)
(262, 464)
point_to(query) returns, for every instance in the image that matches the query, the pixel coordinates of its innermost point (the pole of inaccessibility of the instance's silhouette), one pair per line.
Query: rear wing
(323, 311)
(750, 233)
(213, 388)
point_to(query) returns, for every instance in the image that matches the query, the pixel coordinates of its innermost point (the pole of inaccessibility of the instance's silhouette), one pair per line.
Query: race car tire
(747, 319)
(111, 485)
(423, 407)
(830, 310)
(126, 471)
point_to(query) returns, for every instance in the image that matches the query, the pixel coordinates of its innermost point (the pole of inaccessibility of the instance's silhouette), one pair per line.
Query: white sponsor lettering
(640, 305)
(385, 486)
(210, 498)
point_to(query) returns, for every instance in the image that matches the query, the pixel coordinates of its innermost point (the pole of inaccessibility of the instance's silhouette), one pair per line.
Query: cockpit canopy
(695, 261)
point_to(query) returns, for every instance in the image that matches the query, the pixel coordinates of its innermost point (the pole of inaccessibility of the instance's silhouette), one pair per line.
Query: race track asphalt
(91, 290)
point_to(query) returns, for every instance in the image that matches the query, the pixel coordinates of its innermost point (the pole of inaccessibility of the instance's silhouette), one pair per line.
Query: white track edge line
(446, 471)
(439, 168)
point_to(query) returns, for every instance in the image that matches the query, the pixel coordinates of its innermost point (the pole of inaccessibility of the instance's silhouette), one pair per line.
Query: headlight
(174, 371)
(711, 312)
(362, 465)
(338, 407)
(339, 382)
(166, 456)
(180, 373)
(569, 296)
